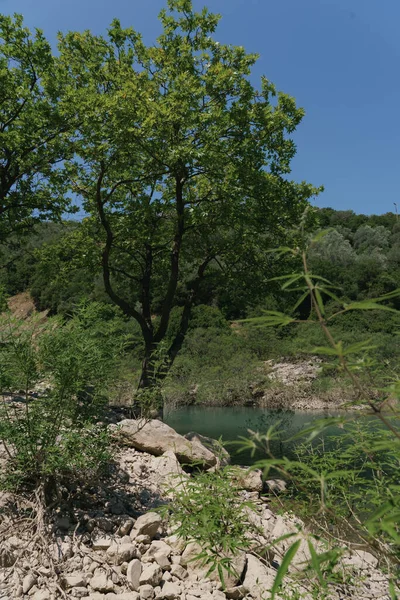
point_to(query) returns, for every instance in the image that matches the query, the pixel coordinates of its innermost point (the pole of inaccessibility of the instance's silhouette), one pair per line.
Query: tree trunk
(148, 401)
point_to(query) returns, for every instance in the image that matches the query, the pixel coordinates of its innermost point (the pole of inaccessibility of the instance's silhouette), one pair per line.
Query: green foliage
(197, 183)
(48, 428)
(35, 126)
(208, 509)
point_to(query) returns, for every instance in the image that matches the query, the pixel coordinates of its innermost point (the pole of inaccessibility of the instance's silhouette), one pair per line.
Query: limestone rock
(168, 471)
(259, 579)
(179, 572)
(236, 593)
(151, 575)
(157, 437)
(250, 480)
(120, 553)
(74, 580)
(213, 445)
(133, 573)
(146, 524)
(170, 591)
(101, 583)
(146, 592)
(360, 560)
(28, 582)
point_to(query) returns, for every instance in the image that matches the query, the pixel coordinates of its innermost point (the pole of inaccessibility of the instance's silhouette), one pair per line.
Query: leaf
(287, 559)
(315, 563)
(368, 305)
(271, 318)
(319, 300)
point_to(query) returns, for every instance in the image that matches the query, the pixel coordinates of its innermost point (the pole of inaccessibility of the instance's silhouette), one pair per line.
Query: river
(231, 423)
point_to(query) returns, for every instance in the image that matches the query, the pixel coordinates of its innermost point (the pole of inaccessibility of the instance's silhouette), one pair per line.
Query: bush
(53, 378)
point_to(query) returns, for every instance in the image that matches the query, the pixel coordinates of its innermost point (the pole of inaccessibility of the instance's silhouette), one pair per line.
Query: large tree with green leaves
(180, 162)
(34, 129)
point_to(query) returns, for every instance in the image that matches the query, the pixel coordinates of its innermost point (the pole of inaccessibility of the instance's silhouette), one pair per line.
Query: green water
(230, 423)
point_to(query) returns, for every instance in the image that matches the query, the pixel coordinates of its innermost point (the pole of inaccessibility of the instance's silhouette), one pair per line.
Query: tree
(181, 164)
(34, 129)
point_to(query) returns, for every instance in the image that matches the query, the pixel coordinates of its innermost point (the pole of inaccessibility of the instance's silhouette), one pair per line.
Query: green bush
(53, 378)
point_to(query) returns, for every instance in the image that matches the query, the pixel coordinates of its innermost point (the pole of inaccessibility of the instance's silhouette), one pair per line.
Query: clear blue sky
(339, 58)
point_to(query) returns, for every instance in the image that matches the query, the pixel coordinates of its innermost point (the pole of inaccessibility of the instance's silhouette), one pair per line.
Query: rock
(170, 591)
(236, 593)
(101, 583)
(151, 575)
(133, 573)
(259, 579)
(156, 547)
(276, 486)
(179, 572)
(119, 553)
(41, 595)
(125, 527)
(28, 582)
(156, 437)
(192, 550)
(213, 445)
(146, 592)
(146, 524)
(74, 580)
(78, 592)
(249, 479)
(168, 471)
(360, 560)
(102, 543)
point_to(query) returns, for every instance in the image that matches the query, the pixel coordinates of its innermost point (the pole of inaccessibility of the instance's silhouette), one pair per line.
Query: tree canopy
(180, 162)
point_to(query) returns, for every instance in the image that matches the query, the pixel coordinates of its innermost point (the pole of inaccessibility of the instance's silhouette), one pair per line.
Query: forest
(155, 255)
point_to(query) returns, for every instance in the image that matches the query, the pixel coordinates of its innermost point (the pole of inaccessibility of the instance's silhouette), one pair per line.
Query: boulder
(156, 437)
(259, 579)
(213, 445)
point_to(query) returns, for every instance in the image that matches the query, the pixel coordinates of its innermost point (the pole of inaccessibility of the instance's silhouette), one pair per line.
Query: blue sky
(339, 58)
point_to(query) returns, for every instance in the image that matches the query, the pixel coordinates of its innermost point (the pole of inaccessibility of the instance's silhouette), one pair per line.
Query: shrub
(50, 428)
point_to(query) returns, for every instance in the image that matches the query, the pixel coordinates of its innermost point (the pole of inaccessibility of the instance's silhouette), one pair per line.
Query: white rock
(102, 543)
(146, 592)
(151, 575)
(28, 582)
(41, 595)
(101, 583)
(155, 547)
(157, 437)
(170, 591)
(119, 553)
(360, 560)
(133, 573)
(146, 524)
(75, 580)
(179, 572)
(259, 579)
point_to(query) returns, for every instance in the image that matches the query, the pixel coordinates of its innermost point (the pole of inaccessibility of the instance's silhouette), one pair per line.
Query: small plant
(208, 509)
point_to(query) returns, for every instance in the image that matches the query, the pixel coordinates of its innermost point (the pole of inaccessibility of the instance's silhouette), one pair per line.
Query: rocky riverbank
(112, 544)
